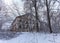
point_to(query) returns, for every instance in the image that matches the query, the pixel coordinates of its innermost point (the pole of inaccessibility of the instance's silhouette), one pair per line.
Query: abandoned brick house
(24, 23)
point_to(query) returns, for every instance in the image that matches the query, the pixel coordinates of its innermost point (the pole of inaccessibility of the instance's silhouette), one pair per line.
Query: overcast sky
(19, 2)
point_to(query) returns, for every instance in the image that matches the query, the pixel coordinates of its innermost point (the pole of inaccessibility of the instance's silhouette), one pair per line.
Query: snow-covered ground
(27, 37)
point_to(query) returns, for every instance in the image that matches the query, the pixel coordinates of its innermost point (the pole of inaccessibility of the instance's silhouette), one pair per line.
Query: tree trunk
(37, 27)
(48, 16)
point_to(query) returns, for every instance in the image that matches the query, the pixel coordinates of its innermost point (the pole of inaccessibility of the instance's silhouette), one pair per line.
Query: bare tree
(36, 14)
(29, 5)
(48, 16)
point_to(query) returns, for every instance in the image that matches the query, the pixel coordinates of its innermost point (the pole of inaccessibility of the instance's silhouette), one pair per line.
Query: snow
(6, 25)
(27, 37)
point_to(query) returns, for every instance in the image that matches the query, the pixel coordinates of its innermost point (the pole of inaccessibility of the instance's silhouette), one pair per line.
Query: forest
(36, 15)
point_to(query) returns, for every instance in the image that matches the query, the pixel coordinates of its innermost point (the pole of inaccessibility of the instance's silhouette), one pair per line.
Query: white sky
(18, 2)
(8, 2)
